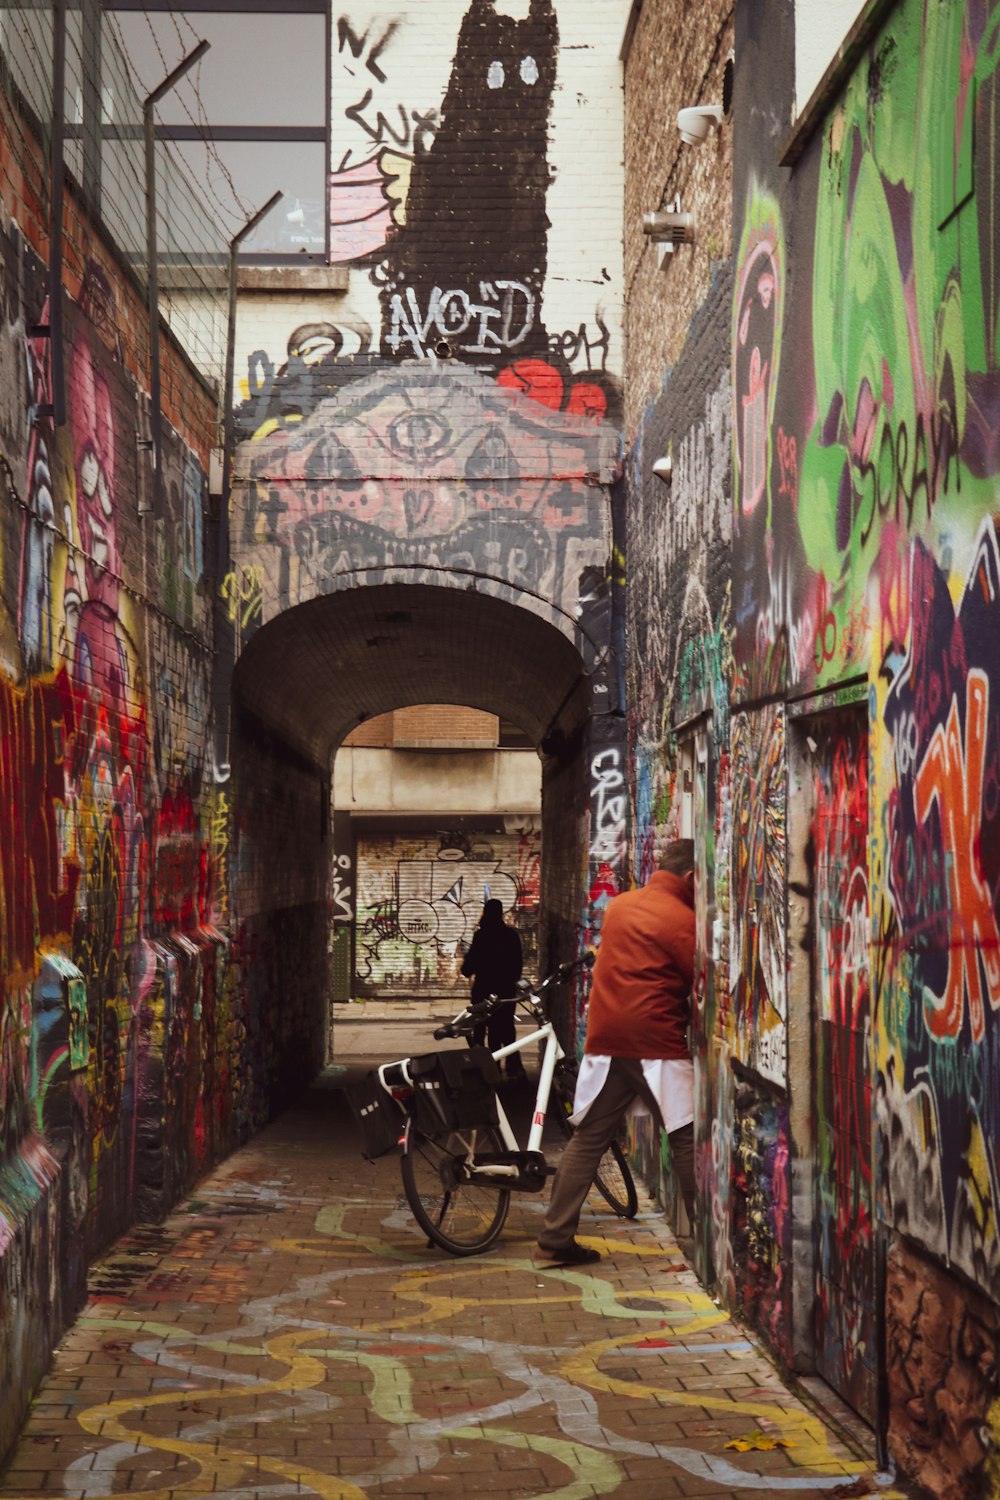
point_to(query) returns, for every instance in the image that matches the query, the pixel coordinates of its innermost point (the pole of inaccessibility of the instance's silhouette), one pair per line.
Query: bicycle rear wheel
(614, 1181)
(613, 1178)
(461, 1217)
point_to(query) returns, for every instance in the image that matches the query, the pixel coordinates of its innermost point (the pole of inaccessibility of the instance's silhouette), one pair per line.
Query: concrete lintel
(310, 278)
(294, 280)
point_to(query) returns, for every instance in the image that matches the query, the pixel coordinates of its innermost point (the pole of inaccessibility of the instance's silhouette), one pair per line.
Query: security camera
(696, 124)
(669, 228)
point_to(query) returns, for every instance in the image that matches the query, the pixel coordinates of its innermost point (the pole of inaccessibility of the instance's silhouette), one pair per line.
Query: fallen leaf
(760, 1441)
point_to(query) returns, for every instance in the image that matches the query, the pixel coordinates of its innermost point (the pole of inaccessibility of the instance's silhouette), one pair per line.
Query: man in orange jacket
(636, 1049)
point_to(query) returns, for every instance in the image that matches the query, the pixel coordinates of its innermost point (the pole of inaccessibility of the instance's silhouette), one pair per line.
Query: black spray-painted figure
(464, 277)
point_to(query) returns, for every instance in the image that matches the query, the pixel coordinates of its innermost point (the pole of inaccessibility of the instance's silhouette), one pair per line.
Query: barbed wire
(201, 123)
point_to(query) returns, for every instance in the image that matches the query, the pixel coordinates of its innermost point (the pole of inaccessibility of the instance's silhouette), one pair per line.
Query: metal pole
(56, 365)
(149, 130)
(227, 388)
(224, 659)
(92, 51)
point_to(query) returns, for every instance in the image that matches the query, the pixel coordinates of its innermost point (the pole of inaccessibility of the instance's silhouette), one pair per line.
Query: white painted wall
(820, 27)
(414, 49)
(371, 781)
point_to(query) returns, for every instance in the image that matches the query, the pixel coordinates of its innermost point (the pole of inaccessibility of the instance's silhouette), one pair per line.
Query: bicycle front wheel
(461, 1217)
(615, 1183)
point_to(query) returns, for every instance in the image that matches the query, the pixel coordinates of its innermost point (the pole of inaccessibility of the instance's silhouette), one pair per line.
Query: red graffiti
(544, 383)
(951, 775)
(180, 865)
(529, 870)
(788, 467)
(37, 727)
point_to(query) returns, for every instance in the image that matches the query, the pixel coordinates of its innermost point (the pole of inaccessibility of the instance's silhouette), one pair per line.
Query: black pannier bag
(454, 1090)
(380, 1118)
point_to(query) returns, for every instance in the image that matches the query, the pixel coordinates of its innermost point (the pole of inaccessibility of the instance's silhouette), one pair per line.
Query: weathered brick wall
(282, 843)
(943, 1342)
(677, 58)
(866, 575)
(427, 723)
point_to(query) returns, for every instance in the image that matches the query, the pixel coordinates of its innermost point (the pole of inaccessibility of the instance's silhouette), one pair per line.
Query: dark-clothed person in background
(493, 963)
(636, 1052)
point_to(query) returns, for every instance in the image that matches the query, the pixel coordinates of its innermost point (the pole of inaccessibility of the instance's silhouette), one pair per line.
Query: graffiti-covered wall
(420, 898)
(118, 1034)
(866, 589)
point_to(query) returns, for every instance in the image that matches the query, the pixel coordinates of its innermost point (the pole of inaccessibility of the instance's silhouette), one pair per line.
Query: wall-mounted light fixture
(663, 468)
(669, 227)
(697, 123)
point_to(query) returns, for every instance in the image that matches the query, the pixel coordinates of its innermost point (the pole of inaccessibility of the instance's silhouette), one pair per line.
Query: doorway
(843, 1199)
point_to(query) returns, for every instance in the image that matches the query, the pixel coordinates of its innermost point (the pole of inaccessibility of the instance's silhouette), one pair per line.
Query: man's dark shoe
(573, 1254)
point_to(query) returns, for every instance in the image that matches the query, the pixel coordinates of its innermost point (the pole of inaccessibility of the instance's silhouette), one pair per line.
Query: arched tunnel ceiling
(317, 670)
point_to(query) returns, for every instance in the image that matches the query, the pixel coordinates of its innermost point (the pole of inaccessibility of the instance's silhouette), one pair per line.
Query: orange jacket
(640, 1000)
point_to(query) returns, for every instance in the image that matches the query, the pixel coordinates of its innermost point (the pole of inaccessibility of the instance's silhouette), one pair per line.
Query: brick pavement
(288, 1331)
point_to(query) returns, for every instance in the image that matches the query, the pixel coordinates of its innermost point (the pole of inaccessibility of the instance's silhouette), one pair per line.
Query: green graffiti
(905, 310)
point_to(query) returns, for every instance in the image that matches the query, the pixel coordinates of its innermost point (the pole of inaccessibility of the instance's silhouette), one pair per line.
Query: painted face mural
(94, 463)
(417, 466)
(757, 317)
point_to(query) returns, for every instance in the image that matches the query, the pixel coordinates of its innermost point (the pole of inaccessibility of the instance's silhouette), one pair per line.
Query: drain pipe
(149, 130)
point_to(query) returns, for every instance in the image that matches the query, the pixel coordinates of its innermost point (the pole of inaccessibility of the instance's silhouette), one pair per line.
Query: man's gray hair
(677, 856)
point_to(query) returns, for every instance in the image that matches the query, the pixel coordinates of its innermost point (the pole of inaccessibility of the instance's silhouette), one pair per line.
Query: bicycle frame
(550, 1057)
(552, 1054)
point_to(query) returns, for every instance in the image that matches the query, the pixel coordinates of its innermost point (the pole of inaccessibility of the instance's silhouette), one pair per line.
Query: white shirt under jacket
(670, 1079)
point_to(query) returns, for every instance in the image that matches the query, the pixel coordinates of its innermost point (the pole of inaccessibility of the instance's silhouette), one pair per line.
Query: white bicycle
(461, 1159)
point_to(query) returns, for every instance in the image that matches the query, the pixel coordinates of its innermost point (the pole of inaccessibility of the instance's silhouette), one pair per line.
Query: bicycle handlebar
(465, 1022)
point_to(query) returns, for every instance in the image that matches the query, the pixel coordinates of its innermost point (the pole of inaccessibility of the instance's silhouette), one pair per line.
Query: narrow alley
(453, 453)
(287, 1331)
